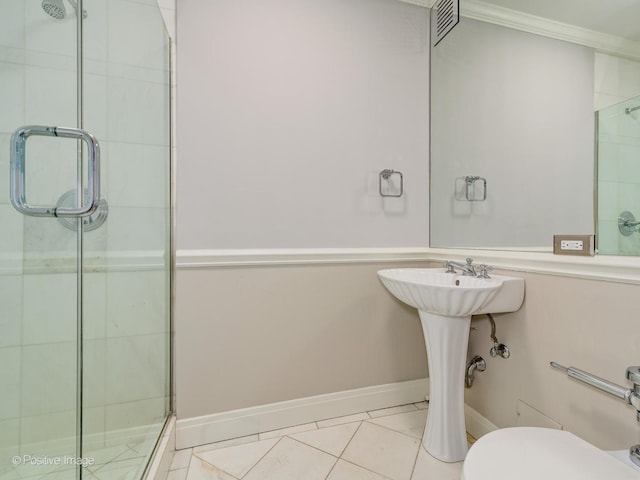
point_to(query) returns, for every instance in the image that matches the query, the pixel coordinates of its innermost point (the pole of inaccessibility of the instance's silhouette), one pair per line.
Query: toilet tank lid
(532, 453)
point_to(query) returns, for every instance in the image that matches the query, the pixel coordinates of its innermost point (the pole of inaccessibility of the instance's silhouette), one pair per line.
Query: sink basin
(436, 291)
(445, 303)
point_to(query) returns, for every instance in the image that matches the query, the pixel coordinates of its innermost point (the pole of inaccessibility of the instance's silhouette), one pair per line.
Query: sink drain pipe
(476, 364)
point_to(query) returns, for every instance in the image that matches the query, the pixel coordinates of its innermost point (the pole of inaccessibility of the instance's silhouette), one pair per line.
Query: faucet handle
(469, 261)
(483, 269)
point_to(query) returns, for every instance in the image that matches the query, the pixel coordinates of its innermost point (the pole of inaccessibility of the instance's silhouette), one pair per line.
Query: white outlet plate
(574, 244)
(571, 245)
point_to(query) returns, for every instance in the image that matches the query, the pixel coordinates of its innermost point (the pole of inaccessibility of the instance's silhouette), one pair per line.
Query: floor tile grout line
(349, 442)
(262, 457)
(287, 428)
(342, 416)
(391, 414)
(392, 430)
(365, 468)
(218, 447)
(351, 439)
(319, 449)
(189, 465)
(315, 448)
(415, 460)
(232, 446)
(332, 468)
(293, 440)
(109, 462)
(345, 448)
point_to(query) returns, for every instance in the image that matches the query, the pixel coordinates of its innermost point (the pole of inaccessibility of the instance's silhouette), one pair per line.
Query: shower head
(55, 8)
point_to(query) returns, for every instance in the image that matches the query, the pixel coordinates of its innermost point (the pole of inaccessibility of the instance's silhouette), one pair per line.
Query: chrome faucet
(468, 269)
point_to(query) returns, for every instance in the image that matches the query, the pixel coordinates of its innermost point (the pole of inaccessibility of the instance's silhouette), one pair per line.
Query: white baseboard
(477, 425)
(191, 432)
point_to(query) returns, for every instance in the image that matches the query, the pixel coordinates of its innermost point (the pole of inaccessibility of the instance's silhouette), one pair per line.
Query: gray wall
(287, 111)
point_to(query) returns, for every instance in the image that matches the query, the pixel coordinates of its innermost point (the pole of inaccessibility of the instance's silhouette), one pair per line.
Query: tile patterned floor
(377, 445)
(124, 460)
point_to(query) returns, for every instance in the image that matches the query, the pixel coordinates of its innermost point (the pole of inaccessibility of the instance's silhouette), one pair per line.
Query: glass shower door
(39, 269)
(84, 315)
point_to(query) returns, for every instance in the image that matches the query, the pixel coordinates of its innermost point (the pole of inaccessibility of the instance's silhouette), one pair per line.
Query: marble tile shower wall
(126, 105)
(617, 87)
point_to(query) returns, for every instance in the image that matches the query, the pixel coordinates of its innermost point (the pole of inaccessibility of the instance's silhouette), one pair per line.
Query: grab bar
(632, 397)
(597, 382)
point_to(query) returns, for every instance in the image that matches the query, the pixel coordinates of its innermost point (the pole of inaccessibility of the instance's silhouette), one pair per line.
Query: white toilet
(531, 453)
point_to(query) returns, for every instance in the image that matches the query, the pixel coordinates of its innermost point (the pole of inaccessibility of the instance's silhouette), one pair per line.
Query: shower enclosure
(618, 151)
(85, 245)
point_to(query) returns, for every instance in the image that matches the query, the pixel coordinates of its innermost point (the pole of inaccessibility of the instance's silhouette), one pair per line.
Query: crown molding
(506, 17)
(420, 3)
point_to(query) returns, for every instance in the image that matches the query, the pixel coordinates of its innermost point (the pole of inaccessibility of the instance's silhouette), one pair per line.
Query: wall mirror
(533, 127)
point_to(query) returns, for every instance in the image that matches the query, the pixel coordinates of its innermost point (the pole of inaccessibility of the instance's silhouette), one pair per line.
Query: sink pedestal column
(446, 339)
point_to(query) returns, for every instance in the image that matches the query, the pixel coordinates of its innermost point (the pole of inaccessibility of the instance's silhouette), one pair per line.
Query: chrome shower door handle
(18, 181)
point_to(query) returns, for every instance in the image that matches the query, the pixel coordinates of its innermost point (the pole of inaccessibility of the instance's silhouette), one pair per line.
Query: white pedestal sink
(445, 302)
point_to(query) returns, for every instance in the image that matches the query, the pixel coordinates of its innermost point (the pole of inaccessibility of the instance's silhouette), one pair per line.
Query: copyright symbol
(17, 460)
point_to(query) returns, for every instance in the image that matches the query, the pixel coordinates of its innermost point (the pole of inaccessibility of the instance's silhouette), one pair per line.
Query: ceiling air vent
(444, 16)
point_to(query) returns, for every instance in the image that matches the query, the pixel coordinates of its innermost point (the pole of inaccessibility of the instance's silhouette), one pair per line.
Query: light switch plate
(574, 245)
